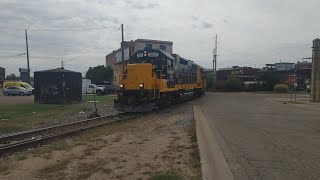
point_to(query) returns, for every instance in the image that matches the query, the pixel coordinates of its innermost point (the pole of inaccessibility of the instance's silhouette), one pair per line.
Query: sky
(81, 32)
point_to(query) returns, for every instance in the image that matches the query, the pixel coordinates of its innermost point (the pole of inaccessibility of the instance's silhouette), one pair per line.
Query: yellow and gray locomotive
(155, 78)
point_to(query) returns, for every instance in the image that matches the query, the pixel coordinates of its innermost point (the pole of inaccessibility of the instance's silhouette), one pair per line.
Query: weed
(107, 171)
(21, 157)
(3, 167)
(169, 175)
(59, 166)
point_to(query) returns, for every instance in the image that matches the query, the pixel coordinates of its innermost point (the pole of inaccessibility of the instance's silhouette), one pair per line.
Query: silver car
(16, 91)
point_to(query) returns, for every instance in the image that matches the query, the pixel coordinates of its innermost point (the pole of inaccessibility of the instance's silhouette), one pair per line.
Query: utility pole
(27, 55)
(122, 48)
(214, 63)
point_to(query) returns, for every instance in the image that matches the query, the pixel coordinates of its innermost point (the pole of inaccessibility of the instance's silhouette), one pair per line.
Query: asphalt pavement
(263, 138)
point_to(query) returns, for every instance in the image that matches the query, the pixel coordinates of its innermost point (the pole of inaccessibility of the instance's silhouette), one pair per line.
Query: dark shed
(57, 86)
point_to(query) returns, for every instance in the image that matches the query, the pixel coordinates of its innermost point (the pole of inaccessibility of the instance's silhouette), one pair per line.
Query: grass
(108, 98)
(59, 166)
(297, 102)
(20, 117)
(168, 175)
(195, 153)
(21, 157)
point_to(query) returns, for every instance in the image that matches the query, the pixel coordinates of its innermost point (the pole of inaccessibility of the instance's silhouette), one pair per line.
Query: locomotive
(154, 78)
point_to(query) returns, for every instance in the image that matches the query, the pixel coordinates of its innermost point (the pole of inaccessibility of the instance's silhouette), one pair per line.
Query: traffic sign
(292, 79)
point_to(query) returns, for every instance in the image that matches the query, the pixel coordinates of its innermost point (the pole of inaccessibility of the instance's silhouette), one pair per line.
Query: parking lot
(264, 136)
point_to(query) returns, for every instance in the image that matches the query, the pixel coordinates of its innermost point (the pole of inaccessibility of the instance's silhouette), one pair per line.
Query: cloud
(189, 24)
(141, 5)
(207, 25)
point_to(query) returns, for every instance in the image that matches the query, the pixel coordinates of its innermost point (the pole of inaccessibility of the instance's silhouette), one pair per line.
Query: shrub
(221, 85)
(233, 84)
(281, 88)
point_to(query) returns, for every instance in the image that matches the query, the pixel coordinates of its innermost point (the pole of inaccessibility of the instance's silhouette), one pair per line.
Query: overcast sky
(250, 32)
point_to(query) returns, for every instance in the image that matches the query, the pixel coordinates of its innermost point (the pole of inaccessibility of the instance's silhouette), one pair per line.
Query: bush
(281, 88)
(221, 85)
(233, 84)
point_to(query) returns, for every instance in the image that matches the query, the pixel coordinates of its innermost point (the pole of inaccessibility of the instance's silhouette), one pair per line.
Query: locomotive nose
(139, 76)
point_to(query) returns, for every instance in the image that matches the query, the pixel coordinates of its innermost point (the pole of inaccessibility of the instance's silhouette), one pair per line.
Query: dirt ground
(4, 100)
(159, 142)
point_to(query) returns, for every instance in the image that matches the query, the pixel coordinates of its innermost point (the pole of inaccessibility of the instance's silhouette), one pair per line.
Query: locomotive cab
(155, 78)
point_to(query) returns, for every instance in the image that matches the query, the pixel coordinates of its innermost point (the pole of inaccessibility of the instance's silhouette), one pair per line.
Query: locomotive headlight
(121, 85)
(141, 85)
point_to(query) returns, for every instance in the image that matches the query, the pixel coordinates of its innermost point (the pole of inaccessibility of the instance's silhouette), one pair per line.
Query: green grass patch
(169, 175)
(19, 117)
(108, 98)
(21, 157)
(297, 102)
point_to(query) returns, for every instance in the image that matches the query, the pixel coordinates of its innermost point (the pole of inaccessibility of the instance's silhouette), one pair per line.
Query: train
(154, 78)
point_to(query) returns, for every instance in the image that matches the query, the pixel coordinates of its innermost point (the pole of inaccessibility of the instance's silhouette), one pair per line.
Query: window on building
(149, 46)
(163, 48)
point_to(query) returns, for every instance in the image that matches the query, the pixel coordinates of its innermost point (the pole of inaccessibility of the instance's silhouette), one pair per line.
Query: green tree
(209, 81)
(99, 74)
(233, 84)
(12, 77)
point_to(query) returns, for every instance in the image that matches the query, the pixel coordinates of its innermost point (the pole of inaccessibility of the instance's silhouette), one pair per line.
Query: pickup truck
(92, 88)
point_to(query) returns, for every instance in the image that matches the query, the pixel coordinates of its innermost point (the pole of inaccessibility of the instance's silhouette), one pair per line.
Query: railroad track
(10, 143)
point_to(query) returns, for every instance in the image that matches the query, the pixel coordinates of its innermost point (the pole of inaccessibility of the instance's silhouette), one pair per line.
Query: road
(263, 138)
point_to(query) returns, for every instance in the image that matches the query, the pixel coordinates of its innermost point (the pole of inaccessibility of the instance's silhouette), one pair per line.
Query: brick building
(114, 59)
(243, 73)
(2, 73)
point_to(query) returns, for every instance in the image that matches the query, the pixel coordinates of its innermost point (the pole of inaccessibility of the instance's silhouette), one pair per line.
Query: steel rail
(30, 138)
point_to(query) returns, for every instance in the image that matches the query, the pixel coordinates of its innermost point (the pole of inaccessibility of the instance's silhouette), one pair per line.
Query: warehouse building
(114, 59)
(57, 86)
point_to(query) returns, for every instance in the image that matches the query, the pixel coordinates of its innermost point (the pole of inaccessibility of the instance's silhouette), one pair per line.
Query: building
(243, 73)
(2, 74)
(114, 59)
(57, 86)
(284, 66)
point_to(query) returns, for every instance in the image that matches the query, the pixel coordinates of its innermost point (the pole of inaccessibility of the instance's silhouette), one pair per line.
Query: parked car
(16, 91)
(25, 85)
(109, 89)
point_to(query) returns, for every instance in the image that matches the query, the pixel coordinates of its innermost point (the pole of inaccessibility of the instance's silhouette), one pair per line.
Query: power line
(66, 30)
(5, 57)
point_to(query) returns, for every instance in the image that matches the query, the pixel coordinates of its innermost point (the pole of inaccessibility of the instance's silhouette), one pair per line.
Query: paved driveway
(263, 138)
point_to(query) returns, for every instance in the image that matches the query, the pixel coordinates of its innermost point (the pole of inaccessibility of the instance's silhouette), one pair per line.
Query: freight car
(155, 78)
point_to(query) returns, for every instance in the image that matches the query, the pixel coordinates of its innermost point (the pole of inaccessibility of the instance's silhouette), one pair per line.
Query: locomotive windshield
(157, 58)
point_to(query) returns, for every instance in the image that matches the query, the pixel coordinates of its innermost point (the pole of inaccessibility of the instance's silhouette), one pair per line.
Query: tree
(99, 74)
(233, 84)
(209, 81)
(12, 77)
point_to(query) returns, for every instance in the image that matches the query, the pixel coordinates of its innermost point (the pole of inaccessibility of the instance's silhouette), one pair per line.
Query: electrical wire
(66, 30)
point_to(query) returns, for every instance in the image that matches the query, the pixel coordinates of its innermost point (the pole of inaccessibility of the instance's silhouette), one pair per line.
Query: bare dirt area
(6, 100)
(158, 144)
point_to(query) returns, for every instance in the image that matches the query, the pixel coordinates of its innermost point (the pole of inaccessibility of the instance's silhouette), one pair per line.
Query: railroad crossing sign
(292, 79)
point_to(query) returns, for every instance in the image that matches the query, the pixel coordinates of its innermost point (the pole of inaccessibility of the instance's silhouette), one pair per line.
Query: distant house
(284, 66)
(114, 59)
(243, 73)
(2, 74)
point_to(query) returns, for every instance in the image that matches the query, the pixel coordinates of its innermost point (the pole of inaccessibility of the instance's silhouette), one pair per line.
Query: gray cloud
(279, 34)
(207, 25)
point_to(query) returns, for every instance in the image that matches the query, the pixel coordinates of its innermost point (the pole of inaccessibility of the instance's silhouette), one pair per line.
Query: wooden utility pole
(122, 48)
(215, 51)
(27, 55)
